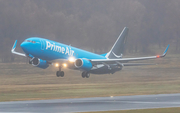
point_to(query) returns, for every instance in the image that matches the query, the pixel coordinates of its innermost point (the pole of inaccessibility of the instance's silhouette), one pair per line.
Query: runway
(93, 104)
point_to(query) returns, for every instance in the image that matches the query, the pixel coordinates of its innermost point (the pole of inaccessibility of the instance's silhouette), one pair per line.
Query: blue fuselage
(50, 50)
(53, 51)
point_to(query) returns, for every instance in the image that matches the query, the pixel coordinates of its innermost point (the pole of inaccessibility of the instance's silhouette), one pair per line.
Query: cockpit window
(27, 41)
(30, 41)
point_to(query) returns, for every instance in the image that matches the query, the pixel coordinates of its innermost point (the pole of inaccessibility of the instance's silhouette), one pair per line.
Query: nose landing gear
(60, 73)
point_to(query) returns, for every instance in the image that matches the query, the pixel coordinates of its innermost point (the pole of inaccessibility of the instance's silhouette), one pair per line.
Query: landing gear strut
(85, 74)
(60, 73)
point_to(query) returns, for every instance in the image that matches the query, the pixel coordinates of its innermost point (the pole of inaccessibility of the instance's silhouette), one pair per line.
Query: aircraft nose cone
(24, 46)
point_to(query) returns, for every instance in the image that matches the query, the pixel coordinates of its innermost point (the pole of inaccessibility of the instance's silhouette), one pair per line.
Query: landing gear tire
(85, 74)
(60, 73)
(57, 74)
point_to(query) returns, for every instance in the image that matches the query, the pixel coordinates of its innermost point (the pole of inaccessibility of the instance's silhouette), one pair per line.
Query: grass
(159, 110)
(24, 82)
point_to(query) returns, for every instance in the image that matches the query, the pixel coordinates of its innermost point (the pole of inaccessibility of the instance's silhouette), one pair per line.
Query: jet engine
(39, 63)
(83, 64)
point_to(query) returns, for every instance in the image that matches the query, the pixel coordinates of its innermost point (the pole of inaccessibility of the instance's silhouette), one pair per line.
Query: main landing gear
(60, 73)
(85, 74)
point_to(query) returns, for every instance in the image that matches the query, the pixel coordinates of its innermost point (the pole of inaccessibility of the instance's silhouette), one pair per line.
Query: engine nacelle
(39, 63)
(83, 64)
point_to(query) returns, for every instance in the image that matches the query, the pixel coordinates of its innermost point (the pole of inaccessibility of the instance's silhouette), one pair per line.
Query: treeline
(90, 24)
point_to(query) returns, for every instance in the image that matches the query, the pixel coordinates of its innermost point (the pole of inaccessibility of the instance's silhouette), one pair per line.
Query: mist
(91, 25)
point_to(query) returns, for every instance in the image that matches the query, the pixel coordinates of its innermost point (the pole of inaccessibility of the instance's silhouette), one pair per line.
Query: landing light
(71, 59)
(56, 65)
(65, 65)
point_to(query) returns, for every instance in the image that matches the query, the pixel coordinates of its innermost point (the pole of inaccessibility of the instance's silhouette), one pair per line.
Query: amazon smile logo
(117, 55)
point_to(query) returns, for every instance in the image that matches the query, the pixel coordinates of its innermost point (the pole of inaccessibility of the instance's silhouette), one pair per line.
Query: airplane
(44, 52)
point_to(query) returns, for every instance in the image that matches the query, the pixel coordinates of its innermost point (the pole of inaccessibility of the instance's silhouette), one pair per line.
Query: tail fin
(118, 47)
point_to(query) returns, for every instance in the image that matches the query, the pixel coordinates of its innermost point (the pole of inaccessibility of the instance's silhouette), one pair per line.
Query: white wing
(125, 60)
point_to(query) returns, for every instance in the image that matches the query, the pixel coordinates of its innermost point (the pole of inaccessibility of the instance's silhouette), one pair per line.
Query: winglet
(14, 52)
(165, 52)
(14, 46)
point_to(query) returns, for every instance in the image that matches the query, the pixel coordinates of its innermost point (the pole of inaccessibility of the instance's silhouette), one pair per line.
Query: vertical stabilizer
(118, 47)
